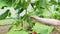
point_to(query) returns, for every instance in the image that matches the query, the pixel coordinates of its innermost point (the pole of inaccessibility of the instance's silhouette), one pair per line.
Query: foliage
(42, 29)
(41, 8)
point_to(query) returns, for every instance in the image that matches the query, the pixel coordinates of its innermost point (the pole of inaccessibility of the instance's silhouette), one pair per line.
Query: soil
(4, 29)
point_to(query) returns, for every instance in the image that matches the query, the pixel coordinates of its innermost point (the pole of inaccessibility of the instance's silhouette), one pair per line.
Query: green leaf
(12, 31)
(42, 3)
(5, 3)
(40, 28)
(4, 15)
(17, 32)
(56, 15)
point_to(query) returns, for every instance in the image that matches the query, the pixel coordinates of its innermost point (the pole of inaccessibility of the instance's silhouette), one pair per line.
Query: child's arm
(46, 20)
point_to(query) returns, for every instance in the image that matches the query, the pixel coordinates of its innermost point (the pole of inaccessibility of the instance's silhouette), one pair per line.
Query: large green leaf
(43, 29)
